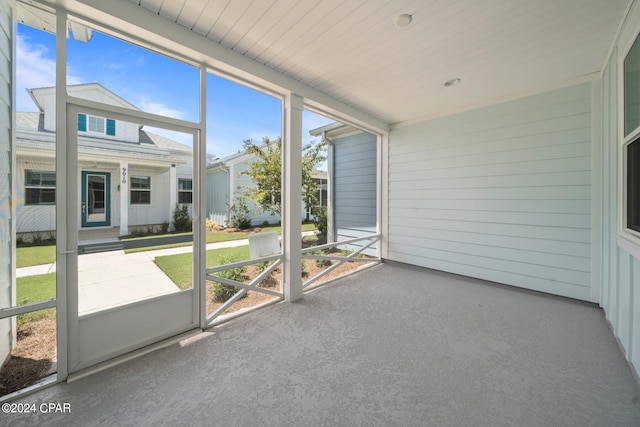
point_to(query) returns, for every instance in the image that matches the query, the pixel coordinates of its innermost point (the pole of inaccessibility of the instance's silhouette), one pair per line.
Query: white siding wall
(257, 218)
(620, 276)
(354, 184)
(32, 217)
(6, 231)
(125, 131)
(217, 195)
(158, 211)
(43, 218)
(183, 171)
(501, 193)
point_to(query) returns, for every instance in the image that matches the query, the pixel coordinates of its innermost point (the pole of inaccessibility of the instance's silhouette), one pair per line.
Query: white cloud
(154, 107)
(34, 68)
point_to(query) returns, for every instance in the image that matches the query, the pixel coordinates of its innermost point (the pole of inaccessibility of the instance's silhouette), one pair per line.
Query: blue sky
(154, 84)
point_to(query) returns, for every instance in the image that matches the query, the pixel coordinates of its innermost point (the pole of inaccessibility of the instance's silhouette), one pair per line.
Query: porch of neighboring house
(392, 345)
(96, 235)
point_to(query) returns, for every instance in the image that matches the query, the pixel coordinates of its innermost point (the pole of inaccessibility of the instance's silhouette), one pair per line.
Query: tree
(266, 174)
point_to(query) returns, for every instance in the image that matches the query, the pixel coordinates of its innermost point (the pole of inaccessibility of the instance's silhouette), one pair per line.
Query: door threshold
(75, 376)
(41, 384)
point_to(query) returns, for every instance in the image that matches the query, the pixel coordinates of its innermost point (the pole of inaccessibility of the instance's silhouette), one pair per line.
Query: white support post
(383, 194)
(173, 192)
(123, 185)
(292, 197)
(331, 231)
(200, 206)
(66, 216)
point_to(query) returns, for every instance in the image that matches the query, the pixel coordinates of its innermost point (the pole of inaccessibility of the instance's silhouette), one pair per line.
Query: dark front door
(96, 199)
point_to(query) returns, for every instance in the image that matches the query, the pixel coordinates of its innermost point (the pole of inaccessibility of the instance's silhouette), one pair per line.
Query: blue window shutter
(82, 122)
(111, 127)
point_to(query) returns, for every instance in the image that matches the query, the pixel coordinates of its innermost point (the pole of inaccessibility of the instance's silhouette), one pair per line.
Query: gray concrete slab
(111, 279)
(391, 346)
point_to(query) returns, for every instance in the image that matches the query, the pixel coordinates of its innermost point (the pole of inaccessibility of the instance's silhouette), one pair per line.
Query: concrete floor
(391, 346)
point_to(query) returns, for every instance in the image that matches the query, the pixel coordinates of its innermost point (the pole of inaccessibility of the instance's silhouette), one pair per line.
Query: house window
(632, 88)
(40, 187)
(96, 125)
(185, 190)
(632, 135)
(140, 190)
(633, 185)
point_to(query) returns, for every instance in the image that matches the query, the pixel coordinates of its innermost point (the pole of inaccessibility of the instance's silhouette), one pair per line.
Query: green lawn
(34, 289)
(179, 267)
(213, 237)
(35, 255)
(39, 255)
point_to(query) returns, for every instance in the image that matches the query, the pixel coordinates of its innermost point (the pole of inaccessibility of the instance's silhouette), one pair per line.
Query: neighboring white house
(225, 181)
(128, 176)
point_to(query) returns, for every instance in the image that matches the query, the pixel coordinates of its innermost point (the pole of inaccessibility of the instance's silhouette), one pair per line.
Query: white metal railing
(243, 287)
(351, 257)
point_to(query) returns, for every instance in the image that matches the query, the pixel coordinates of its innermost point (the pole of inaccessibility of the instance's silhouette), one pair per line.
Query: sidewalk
(151, 255)
(111, 279)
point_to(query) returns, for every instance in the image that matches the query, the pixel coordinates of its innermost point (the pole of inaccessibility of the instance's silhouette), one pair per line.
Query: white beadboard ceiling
(351, 50)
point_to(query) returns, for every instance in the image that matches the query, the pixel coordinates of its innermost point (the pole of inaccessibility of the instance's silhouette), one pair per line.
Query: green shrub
(239, 214)
(321, 262)
(320, 221)
(262, 266)
(37, 239)
(347, 252)
(220, 291)
(164, 227)
(51, 238)
(137, 232)
(181, 220)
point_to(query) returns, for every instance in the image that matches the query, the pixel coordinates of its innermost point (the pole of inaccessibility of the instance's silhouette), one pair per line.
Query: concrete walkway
(110, 279)
(151, 255)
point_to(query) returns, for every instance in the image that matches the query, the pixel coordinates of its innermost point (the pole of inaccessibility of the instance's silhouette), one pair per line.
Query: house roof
(81, 90)
(230, 159)
(147, 137)
(350, 56)
(33, 122)
(30, 120)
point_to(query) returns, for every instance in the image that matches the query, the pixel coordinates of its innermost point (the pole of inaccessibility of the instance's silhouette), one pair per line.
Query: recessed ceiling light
(402, 20)
(452, 82)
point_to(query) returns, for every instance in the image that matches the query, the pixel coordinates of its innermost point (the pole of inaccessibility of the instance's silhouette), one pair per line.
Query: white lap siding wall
(354, 201)
(501, 193)
(7, 234)
(620, 293)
